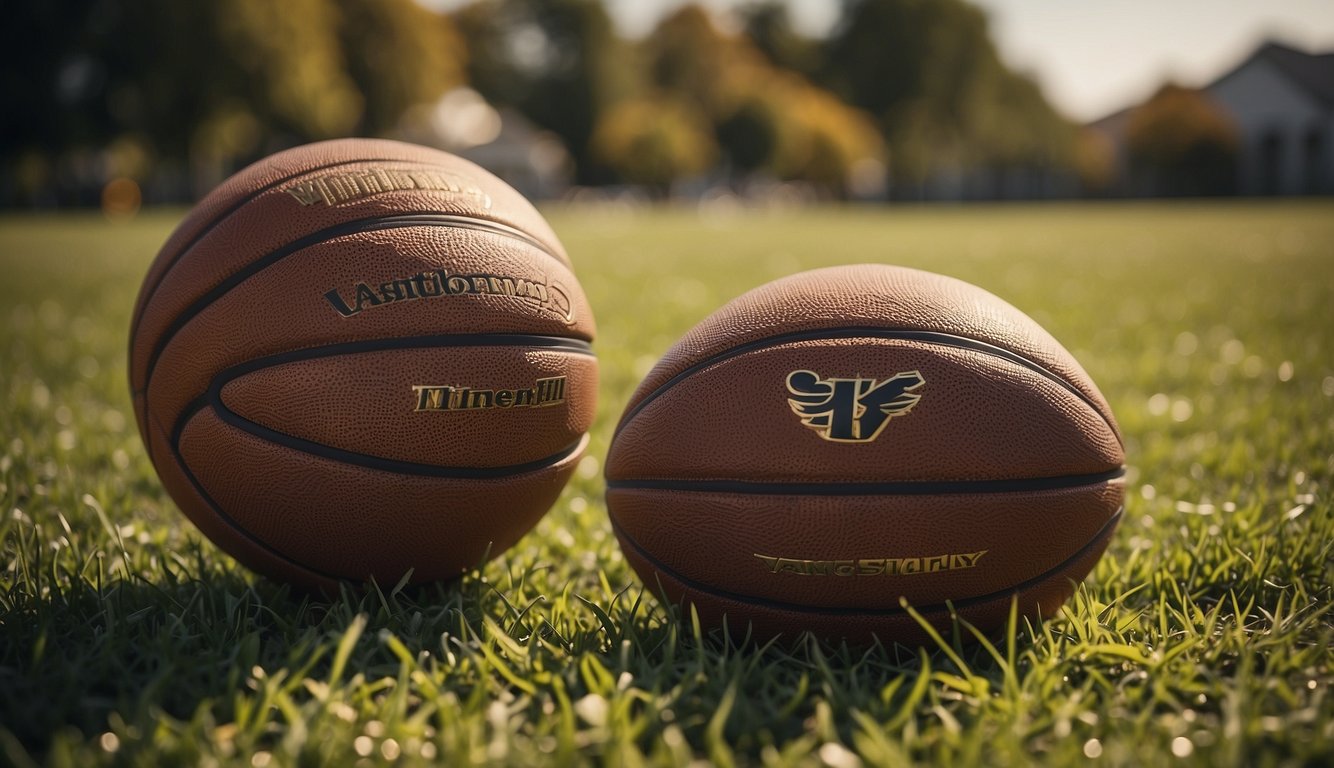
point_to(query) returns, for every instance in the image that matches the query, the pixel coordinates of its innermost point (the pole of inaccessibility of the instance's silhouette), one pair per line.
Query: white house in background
(1282, 101)
(503, 141)
(530, 159)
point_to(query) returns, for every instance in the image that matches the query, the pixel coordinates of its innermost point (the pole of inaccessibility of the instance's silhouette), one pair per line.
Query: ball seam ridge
(852, 332)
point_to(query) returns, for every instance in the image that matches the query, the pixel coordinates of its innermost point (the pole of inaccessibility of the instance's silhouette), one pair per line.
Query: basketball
(834, 444)
(363, 359)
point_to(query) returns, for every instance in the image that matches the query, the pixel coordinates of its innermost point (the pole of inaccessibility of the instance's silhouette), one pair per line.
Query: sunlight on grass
(1203, 636)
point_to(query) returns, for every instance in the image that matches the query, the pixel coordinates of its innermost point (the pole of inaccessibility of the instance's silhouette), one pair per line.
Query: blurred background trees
(1182, 144)
(902, 99)
(186, 92)
(927, 71)
(556, 61)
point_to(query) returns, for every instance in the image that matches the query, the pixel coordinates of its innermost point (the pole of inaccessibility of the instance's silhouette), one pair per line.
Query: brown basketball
(361, 358)
(837, 441)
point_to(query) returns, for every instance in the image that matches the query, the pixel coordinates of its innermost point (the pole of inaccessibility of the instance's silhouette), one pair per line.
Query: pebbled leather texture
(273, 360)
(877, 296)
(761, 620)
(1010, 450)
(979, 418)
(704, 539)
(365, 403)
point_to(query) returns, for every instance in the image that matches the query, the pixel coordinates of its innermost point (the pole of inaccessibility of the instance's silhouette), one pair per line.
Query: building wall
(1287, 140)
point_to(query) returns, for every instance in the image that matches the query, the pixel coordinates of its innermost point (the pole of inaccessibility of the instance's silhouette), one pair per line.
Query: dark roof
(1312, 72)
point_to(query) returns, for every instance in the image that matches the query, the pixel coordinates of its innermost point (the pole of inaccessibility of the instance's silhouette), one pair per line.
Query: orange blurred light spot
(121, 199)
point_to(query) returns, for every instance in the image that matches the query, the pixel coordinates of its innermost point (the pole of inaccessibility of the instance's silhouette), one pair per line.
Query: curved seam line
(368, 461)
(221, 217)
(380, 464)
(217, 509)
(930, 337)
(905, 488)
(357, 226)
(193, 410)
(208, 228)
(213, 397)
(1103, 533)
(546, 343)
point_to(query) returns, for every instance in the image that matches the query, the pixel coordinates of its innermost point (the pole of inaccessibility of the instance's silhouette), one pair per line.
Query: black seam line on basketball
(545, 343)
(221, 217)
(529, 341)
(382, 464)
(1103, 533)
(912, 488)
(213, 397)
(931, 337)
(198, 405)
(552, 343)
(371, 224)
(188, 412)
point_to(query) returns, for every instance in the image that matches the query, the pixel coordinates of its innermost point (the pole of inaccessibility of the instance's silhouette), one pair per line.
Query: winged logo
(851, 410)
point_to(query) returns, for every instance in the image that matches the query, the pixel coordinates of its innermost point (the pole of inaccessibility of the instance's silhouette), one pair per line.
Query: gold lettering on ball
(872, 566)
(338, 187)
(543, 393)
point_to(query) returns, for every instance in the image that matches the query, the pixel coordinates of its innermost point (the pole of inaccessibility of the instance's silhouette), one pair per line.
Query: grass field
(1205, 636)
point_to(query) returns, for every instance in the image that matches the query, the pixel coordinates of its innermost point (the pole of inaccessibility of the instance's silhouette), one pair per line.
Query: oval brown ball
(834, 445)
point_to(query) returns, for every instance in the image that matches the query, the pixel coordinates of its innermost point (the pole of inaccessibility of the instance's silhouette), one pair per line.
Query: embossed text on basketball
(872, 566)
(336, 187)
(544, 392)
(543, 294)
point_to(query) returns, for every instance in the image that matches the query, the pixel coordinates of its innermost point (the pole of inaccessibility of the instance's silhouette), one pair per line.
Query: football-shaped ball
(835, 444)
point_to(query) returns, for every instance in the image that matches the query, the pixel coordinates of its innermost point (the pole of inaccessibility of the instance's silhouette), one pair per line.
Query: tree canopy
(762, 119)
(212, 84)
(912, 86)
(1182, 142)
(557, 61)
(929, 73)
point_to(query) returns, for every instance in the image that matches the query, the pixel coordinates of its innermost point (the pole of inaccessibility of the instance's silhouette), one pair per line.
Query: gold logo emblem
(543, 393)
(851, 410)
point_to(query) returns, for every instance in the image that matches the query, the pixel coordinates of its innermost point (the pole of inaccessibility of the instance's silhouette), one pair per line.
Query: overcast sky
(1092, 57)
